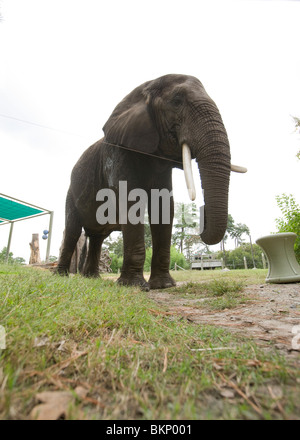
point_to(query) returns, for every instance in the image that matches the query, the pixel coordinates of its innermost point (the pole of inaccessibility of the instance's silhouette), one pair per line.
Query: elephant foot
(162, 281)
(134, 280)
(91, 275)
(60, 270)
(91, 271)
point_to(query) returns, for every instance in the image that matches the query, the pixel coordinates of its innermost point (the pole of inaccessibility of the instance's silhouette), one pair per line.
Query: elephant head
(173, 117)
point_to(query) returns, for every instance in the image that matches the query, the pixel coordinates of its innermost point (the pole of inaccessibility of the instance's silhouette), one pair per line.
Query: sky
(65, 65)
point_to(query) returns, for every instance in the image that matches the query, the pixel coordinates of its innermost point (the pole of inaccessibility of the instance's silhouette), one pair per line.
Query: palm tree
(239, 230)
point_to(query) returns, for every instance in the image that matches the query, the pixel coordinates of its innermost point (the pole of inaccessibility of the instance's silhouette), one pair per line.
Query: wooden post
(35, 250)
(223, 265)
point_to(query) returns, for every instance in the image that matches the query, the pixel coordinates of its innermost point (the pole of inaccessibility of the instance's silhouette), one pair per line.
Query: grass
(217, 294)
(133, 359)
(251, 276)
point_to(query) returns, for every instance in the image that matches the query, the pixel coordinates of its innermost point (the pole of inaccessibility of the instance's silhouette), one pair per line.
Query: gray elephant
(160, 125)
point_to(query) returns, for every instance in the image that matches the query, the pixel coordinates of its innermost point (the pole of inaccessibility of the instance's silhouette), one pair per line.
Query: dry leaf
(275, 392)
(165, 360)
(55, 404)
(217, 366)
(81, 392)
(41, 342)
(227, 393)
(61, 346)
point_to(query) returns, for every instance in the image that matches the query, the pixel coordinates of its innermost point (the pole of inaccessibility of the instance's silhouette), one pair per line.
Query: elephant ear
(131, 126)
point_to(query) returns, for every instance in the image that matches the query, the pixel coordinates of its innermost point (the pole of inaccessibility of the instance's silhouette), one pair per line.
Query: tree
(228, 233)
(291, 218)
(115, 246)
(186, 227)
(175, 257)
(178, 258)
(235, 232)
(115, 249)
(147, 233)
(235, 258)
(239, 230)
(11, 260)
(297, 126)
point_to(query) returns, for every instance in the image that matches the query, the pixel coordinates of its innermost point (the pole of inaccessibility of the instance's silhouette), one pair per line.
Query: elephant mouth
(188, 173)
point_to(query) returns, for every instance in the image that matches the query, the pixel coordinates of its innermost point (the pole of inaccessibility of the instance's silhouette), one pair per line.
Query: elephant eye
(177, 100)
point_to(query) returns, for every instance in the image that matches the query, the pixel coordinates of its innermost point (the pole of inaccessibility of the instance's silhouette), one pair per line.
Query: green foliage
(178, 258)
(147, 235)
(114, 246)
(115, 249)
(186, 221)
(147, 265)
(291, 218)
(53, 258)
(236, 231)
(11, 259)
(297, 126)
(235, 258)
(116, 263)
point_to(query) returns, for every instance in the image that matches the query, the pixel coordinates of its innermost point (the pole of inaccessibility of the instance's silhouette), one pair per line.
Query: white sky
(65, 64)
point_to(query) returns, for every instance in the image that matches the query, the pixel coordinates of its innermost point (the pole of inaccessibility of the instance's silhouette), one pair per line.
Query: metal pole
(49, 236)
(9, 241)
(254, 267)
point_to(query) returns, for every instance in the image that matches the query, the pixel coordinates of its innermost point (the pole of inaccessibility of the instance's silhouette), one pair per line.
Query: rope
(159, 157)
(142, 152)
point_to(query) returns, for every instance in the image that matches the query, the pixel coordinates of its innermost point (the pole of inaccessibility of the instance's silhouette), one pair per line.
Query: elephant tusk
(187, 168)
(238, 169)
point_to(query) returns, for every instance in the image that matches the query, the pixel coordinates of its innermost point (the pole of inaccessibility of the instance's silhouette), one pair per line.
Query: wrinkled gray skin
(157, 118)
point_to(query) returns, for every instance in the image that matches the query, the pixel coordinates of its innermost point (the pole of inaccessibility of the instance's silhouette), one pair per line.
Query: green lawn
(117, 355)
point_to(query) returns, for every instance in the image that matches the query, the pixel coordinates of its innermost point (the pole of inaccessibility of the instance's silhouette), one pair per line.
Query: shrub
(176, 257)
(116, 263)
(235, 258)
(291, 218)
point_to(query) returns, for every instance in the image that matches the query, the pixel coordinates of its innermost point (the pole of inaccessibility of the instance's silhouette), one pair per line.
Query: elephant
(161, 124)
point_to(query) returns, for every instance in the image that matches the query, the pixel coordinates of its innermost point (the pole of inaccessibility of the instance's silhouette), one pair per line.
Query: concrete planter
(279, 249)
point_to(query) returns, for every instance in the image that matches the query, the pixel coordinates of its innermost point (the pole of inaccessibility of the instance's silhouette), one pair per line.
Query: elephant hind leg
(71, 235)
(91, 266)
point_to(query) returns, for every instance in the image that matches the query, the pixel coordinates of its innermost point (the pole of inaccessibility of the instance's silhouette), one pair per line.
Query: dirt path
(271, 314)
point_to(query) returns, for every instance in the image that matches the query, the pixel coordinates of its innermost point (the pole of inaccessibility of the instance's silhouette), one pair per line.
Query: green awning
(12, 210)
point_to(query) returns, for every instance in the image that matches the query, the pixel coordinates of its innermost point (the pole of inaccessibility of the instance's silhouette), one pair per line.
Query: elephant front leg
(134, 257)
(160, 275)
(161, 241)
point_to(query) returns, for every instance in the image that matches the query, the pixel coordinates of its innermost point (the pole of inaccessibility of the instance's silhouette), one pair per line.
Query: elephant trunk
(212, 153)
(207, 141)
(215, 183)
